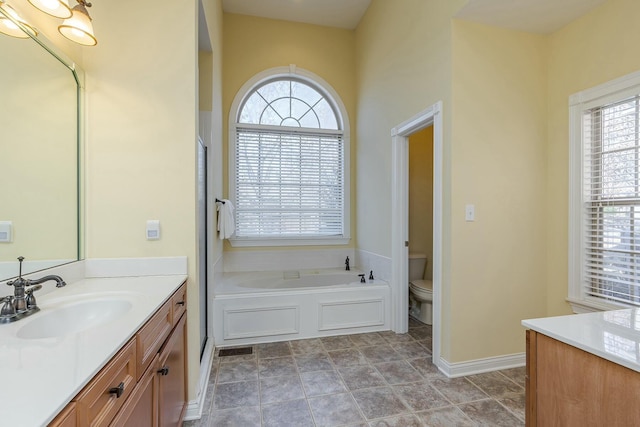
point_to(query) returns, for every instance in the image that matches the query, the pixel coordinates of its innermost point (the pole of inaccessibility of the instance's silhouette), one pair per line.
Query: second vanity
(584, 369)
(53, 366)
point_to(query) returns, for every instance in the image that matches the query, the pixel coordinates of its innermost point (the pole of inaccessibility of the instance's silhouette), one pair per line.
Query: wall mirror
(39, 156)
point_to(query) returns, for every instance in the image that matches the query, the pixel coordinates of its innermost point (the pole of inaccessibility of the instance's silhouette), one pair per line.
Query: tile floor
(375, 379)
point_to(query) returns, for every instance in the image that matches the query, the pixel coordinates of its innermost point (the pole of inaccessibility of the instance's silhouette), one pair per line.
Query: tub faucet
(362, 279)
(346, 263)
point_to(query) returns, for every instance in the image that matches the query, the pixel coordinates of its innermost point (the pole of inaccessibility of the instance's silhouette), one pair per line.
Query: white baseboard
(479, 366)
(196, 406)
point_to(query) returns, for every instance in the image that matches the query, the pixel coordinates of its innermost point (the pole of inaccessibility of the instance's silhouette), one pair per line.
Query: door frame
(400, 220)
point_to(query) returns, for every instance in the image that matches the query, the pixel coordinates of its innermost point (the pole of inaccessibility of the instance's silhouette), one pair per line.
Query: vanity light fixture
(10, 28)
(78, 28)
(56, 8)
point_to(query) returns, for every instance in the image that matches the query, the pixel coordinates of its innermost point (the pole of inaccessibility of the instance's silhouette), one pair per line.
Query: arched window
(289, 153)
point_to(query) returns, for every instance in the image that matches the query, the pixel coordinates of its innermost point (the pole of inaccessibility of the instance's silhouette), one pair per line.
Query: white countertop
(40, 376)
(612, 335)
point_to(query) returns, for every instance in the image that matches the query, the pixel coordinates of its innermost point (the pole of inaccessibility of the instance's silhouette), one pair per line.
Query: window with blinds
(611, 201)
(289, 164)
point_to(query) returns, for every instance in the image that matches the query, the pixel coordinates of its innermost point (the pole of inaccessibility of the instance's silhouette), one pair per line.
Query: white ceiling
(331, 13)
(536, 16)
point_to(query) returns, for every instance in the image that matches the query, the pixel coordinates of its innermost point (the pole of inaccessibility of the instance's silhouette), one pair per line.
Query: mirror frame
(79, 77)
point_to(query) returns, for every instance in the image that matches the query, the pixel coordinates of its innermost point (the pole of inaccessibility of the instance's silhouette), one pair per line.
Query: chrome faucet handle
(31, 289)
(8, 309)
(30, 298)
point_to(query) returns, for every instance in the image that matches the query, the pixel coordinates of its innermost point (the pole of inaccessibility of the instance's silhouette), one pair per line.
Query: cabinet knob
(164, 371)
(180, 303)
(117, 390)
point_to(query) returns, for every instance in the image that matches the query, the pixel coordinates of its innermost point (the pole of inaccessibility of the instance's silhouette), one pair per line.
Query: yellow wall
(594, 49)
(205, 80)
(253, 45)
(421, 195)
(38, 154)
(403, 52)
(141, 137)
(499, 163)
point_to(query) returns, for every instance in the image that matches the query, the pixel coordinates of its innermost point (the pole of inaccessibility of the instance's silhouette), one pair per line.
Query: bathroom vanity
(584, 369)
(124, 364)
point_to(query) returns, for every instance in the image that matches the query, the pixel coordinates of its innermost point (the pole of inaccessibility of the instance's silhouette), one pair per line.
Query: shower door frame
(400, 221)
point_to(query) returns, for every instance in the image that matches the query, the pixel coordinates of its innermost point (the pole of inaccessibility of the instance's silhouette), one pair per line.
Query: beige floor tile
(373, 379)
(379, 402)
(322, 382)
(490, 413)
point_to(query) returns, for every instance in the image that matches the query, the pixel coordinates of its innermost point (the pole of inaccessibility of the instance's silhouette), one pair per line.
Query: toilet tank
(417, 263)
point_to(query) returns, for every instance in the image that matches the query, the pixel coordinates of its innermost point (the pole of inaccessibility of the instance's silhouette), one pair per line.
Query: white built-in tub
(255, 307)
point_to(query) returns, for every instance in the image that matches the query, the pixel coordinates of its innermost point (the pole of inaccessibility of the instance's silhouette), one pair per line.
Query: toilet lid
(424, 285)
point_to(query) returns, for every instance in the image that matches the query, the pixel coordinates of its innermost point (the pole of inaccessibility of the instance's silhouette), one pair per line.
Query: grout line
(388, 341)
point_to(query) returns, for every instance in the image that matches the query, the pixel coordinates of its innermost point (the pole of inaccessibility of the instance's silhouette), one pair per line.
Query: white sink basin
(74, 317)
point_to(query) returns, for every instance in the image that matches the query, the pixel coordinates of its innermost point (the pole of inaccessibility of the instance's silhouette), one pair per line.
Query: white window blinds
(288, 182)
(611, 201)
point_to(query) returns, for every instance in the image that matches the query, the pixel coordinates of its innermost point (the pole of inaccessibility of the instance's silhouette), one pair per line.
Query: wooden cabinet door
(66, 418)
(179, 302)
(152, 335)
(172, 374)
(569, 387)
(107, 392)
(141, 409)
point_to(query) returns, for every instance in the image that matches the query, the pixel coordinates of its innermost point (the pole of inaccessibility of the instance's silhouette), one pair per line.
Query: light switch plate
(470, 213)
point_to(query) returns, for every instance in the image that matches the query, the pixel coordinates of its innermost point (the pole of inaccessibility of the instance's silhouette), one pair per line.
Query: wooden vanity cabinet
(567, 386)
(102, 398)
(160, 396)
(141, 409)
(179, 304)
(172, 371)
(152, 335)
(157, 396)
(66, 418)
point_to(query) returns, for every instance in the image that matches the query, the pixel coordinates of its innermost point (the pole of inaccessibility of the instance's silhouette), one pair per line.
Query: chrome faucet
(23, 303)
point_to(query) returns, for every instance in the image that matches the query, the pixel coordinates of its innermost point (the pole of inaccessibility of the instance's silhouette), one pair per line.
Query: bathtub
(256, 307)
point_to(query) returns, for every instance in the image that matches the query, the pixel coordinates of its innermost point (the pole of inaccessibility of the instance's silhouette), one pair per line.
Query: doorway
(432, 116)
(420, 222)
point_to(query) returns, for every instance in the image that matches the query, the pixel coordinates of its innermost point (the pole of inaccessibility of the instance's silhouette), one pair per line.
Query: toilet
(420, 289)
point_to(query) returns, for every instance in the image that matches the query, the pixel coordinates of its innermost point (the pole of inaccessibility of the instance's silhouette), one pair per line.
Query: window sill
(317, 241)
(583, 305)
